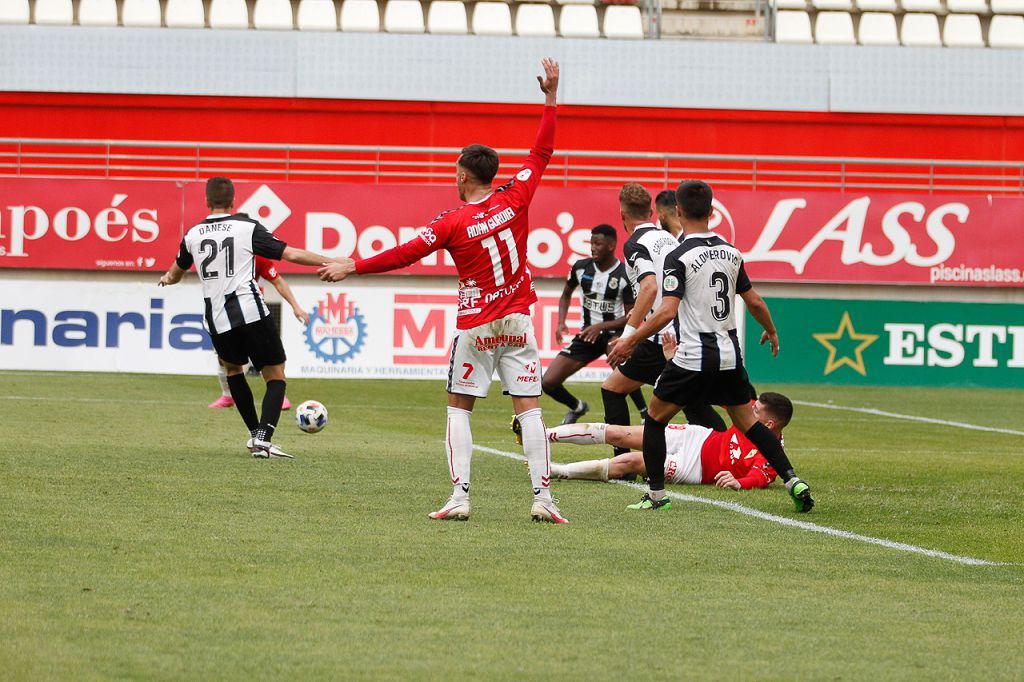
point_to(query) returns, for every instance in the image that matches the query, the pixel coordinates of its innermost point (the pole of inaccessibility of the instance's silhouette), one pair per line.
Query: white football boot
(261, 449)
(547, 510)
(453, 510)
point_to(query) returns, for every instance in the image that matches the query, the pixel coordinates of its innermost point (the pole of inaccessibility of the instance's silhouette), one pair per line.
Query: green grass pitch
(140, 541)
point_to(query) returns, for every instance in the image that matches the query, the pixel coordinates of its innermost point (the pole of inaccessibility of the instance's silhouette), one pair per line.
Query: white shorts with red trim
(506, 345)
(682, 445)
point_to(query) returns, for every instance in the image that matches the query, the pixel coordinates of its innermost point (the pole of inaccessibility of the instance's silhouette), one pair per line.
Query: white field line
(909, 417)
(793, 523)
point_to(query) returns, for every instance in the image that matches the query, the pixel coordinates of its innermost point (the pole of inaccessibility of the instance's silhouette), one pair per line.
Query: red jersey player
(487, 238)
(264, 270)
(695, 454)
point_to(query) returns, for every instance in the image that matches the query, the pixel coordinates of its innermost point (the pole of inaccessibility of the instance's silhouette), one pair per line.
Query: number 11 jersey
(486, 239)
(223, 249)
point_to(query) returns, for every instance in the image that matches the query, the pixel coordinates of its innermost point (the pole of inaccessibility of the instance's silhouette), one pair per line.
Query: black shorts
(646, 364)
(586, 352)
(690, 388)
(257, 342)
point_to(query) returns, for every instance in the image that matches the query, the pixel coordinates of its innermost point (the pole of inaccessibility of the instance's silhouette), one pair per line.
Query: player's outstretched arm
(303, 257)
(759, 309)
(172, 276)
(563, 311)
(549, 81)
(337, 271)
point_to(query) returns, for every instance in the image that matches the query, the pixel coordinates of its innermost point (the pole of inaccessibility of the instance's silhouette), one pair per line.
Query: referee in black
(701, 278)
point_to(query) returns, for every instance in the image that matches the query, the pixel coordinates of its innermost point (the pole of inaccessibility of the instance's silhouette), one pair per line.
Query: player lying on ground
(696, 454)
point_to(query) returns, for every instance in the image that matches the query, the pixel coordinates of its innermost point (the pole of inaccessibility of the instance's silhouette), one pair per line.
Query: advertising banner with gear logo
(890, 343)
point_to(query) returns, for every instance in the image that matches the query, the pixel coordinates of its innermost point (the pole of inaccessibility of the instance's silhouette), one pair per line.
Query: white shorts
(682, 445)
(507, 345)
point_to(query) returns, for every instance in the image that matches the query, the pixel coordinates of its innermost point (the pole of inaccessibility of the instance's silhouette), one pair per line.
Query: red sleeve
(265, 269)
(424, 243)
(760, 476)
(526, 181)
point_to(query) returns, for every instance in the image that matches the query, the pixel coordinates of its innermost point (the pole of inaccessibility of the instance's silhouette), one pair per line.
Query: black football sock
(616, 411)
(271, 409)
(654, 452)
(242, 395)
(704, 415)
(563, 396)
(638, 399)
(761, 436)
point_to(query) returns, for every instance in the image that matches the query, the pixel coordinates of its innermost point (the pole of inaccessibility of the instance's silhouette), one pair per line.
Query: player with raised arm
(487, 238)
(702, 277)
(224, 247)
(606, 298)
(694, 454)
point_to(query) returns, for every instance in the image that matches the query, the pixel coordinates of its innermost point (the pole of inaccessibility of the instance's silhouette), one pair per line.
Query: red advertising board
(785, 236)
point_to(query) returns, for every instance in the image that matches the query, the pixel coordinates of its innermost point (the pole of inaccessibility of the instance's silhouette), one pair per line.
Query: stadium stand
(185, 14)
(1006, 31)
(360, 15)
(535, 20)
(54, 12)
(140, 13)
(317, 15)
(920, 30)
(962, 30)
(403, 16)
(622, 21)
(793, 27)
(229, 14)
(834, 28)
(578, 21)
(492, 19)
(273, 14)
(14, 12)
(447, 16)
(933, 6)
(877, 28)
(97, 12)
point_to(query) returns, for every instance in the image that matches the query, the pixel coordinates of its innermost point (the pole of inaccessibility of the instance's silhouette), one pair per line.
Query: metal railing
(185, 161)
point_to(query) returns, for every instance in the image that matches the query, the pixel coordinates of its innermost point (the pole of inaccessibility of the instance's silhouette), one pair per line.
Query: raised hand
(549, 81)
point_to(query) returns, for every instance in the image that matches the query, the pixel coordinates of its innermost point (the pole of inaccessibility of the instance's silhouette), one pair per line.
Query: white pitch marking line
(782, 520)
(910, 417)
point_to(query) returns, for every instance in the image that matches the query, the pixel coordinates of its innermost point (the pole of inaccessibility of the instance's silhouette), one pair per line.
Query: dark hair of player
(220, 192)
(635, 201)
(666, 198)
(606, 231)
(778, 406)
(480, 161)
(695, 197)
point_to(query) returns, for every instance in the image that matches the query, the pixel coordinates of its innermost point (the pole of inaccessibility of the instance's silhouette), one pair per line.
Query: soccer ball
(311, 416)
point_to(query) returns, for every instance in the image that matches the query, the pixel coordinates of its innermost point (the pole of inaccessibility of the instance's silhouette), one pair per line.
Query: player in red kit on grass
(487, 239)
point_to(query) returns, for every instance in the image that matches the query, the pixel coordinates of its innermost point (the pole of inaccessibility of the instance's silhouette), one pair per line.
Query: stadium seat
(1006, 31)
(932, 6)
(834, 28)
(1008, 6)
(14, 12)
(360, 15)
(788, 4)
(273, 14)
(403, 16)
(185, 14)
(97, 12)
(140, 13)
(844, 5)
(877, 28)
(535, 20)
(58, 12)
(876, 5)
(575, 2)
(623, 21)
(578, 21)
(318, 15)
(793, 27)
(962, 30)
(229, 14)
(492, 19)
(968, 6)
(920, 30)
(447, 16)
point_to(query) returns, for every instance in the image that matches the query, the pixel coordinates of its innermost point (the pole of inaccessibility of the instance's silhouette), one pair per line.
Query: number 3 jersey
(706, 272)
(487, 241)
(223, 248)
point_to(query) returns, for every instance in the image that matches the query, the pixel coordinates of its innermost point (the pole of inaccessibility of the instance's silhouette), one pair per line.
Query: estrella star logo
(844, 334)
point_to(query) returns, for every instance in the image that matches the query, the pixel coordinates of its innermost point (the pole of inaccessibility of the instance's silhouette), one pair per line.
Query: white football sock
(538, 456)
(590, 470)
(578, 434)
(222, 377)
(459, 447)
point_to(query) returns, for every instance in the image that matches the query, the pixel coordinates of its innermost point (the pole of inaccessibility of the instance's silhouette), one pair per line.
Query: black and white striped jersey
(645, 253)
(604, 293)
(223, 248)
(706, 273)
